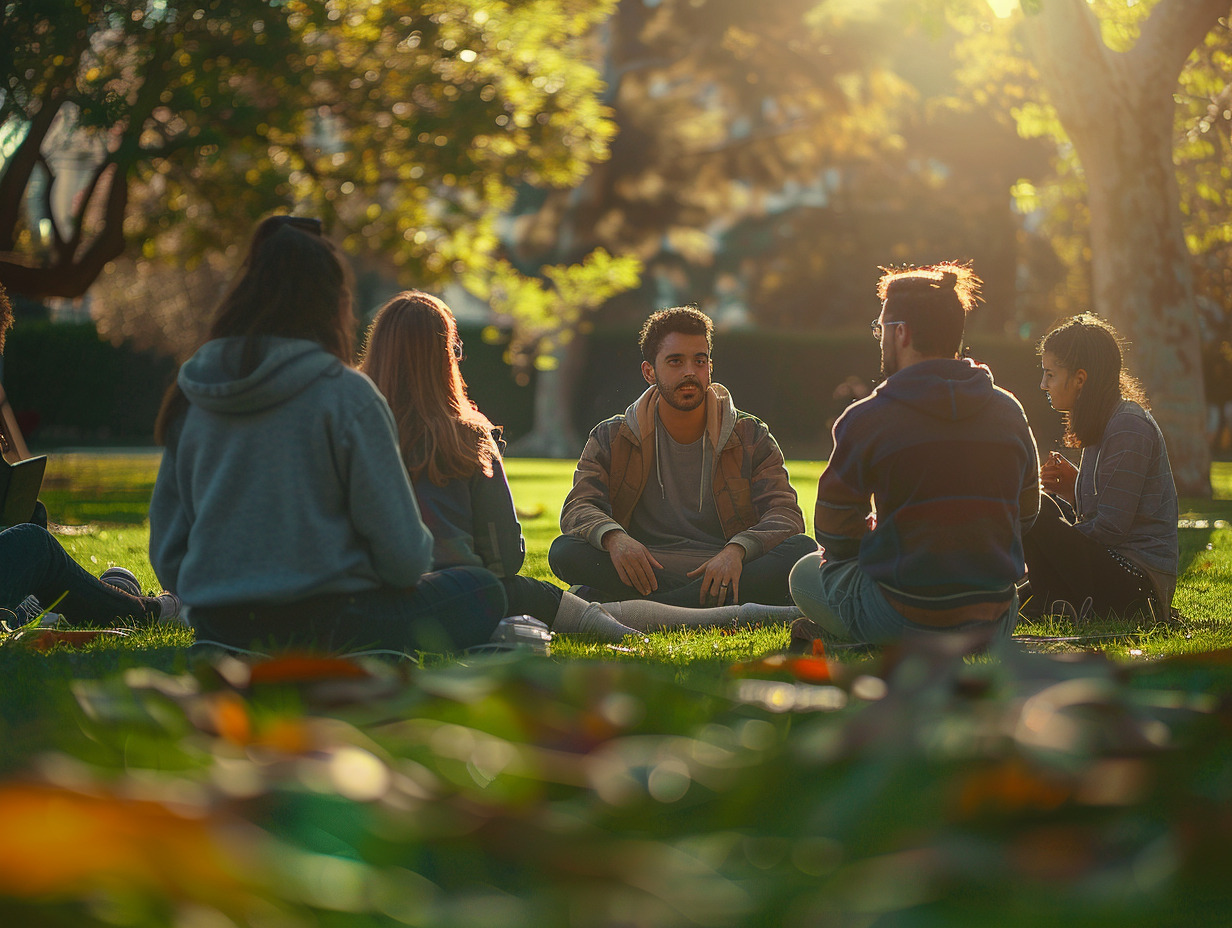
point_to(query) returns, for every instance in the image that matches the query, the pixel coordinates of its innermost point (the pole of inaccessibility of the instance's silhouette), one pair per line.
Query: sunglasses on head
(303, 223)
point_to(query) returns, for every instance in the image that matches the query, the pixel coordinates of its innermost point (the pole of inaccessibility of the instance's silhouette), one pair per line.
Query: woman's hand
(1059, 477)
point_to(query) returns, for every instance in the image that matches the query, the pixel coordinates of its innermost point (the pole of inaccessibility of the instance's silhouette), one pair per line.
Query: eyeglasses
(878, 326)
(303, 223)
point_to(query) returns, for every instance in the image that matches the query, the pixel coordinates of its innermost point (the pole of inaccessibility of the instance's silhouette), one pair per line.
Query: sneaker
(29, 608)
(170, 607)
(122, 579)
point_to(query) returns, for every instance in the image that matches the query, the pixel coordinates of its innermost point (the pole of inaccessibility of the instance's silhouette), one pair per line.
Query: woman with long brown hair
(453, 455)
(282, 512)
(1107, 529)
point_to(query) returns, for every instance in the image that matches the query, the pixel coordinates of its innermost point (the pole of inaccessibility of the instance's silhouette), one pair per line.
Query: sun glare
(1003, 8)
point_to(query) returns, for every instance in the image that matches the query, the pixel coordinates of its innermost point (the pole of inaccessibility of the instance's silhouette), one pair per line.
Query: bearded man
(684, 499)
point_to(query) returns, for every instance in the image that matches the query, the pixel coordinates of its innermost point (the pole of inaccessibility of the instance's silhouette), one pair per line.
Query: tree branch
(1070, 54)
(70, 278)
(57, 240)
(87, 195)
(1173, 30)
(16, 176)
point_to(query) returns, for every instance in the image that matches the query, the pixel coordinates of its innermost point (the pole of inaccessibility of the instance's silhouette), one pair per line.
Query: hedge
(71, 387)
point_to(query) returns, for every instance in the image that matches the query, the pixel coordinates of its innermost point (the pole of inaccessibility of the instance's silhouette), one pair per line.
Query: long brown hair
(1087, 343)
(293, 284)
(411, 354)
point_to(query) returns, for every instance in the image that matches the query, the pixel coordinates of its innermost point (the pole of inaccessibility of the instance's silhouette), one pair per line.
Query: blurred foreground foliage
(910, 789)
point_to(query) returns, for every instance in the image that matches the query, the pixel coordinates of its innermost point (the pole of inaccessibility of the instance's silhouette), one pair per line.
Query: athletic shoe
(170, 607)
(122, 579)
(29, 608)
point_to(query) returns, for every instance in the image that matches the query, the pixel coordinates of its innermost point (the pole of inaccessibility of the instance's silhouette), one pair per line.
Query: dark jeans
(1063, 563)
(762, 580)
(32, 561)
(447, 610)
(536, 598)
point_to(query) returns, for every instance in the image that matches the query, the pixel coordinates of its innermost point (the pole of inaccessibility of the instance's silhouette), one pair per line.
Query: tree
(1118, 110)
(405, 124)
(721, 105)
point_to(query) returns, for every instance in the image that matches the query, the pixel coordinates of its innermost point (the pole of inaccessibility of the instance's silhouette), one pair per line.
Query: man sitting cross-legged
(684, 499)
(950, 463)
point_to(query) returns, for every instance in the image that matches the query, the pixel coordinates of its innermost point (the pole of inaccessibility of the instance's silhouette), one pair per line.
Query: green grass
(103, 500)
(675, 781)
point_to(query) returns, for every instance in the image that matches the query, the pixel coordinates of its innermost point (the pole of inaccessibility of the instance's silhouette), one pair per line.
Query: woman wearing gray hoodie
(282, 513)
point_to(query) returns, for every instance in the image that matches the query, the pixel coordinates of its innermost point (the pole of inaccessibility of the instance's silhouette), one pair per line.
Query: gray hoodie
(282, 484)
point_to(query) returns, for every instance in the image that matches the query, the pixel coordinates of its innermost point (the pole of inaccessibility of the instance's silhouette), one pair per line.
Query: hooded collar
(720, 415)
(944, 388)
(211, 378)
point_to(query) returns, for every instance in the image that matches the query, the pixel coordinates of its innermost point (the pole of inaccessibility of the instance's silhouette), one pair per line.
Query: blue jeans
(762, 580)
(849, 604)
(447, 610)
(33, 562)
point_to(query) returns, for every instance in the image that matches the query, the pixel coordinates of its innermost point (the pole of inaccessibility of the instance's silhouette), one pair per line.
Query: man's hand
(1059, 476)
(633, 561)
(722, 576)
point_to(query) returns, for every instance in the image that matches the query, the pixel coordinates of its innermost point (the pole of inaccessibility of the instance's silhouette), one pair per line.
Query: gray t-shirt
(676, 516)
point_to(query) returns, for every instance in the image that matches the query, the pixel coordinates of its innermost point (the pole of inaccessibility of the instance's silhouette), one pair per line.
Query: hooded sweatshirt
(283, 483)
(950, 463)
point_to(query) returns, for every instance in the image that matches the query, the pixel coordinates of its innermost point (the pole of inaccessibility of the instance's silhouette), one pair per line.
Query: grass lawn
(683, 779)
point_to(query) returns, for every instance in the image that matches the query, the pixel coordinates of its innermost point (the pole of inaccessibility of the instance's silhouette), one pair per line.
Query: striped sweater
(948, 464)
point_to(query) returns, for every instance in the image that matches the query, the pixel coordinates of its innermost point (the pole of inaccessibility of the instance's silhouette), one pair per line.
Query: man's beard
(671, 399)
(889, 360)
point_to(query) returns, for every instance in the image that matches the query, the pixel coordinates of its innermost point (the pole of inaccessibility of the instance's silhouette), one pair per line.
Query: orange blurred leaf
(306, 668)
(58, 843)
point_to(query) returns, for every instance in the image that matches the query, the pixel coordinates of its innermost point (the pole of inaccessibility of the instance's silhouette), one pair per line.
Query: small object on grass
(44, 639)
(522, 631)
(805, 637)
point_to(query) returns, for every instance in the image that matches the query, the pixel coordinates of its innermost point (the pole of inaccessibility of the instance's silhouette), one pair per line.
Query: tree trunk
(1142, 279)
(1117, 108)
(553, 434)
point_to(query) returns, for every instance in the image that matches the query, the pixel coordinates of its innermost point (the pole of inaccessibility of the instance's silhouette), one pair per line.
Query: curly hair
(688, 320)
(1088, 343)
